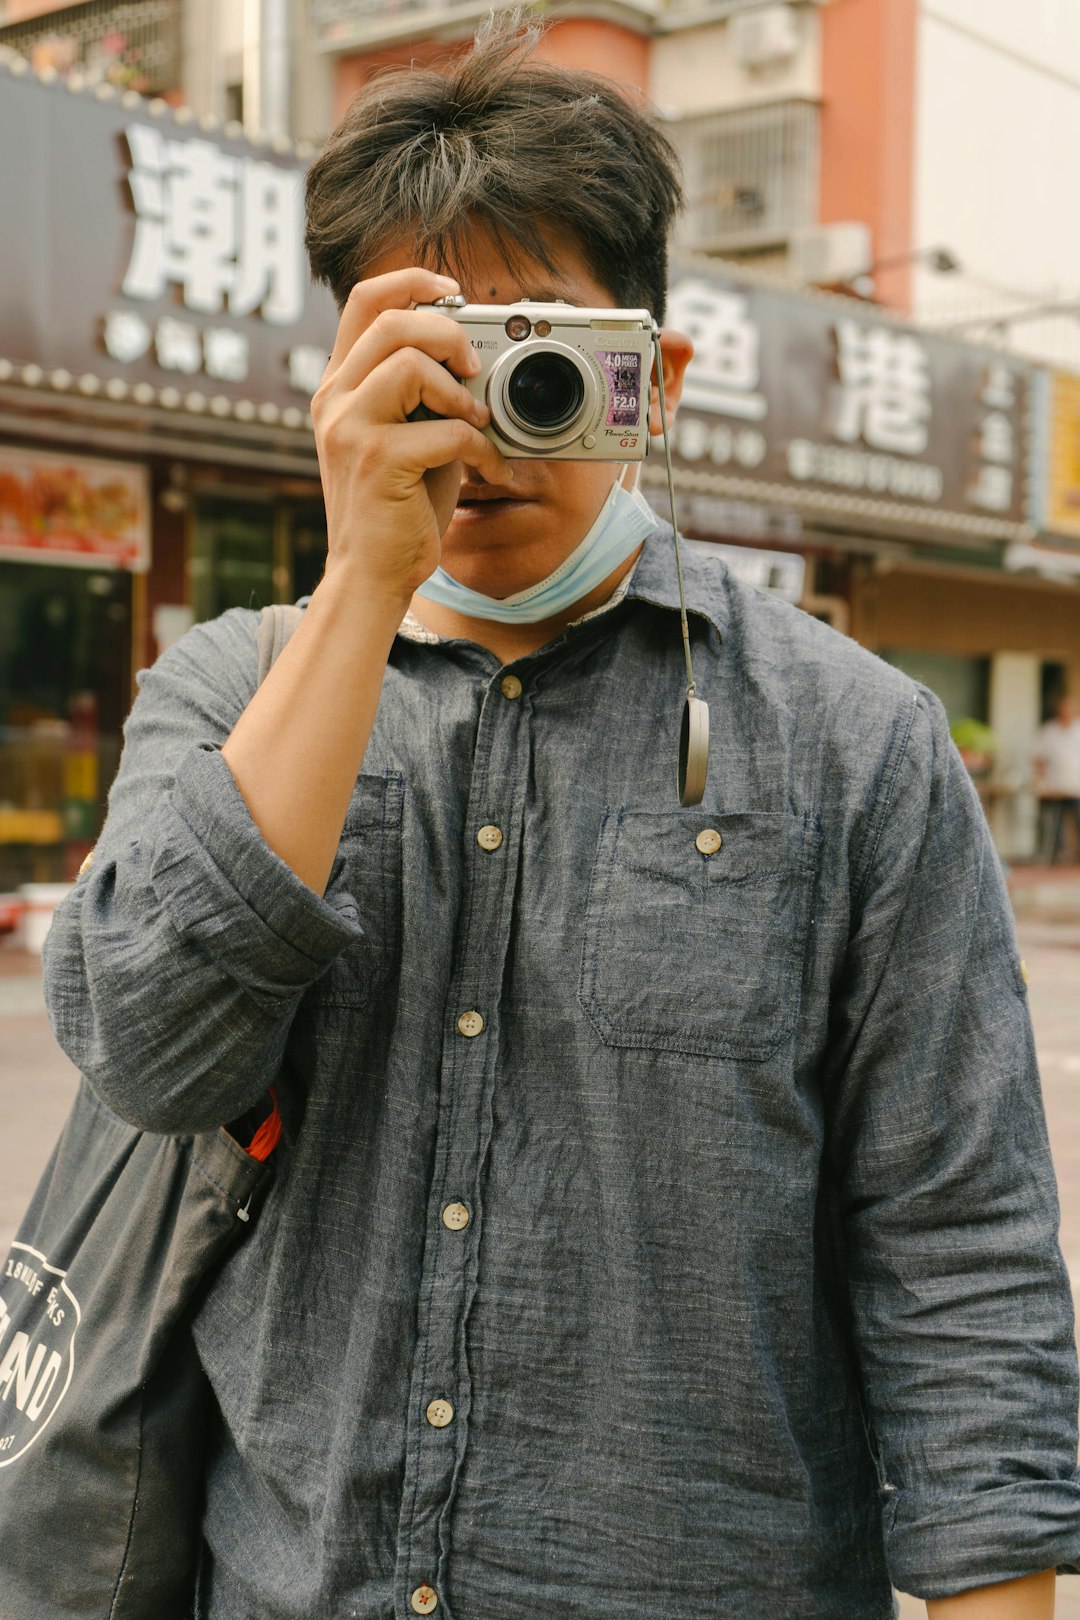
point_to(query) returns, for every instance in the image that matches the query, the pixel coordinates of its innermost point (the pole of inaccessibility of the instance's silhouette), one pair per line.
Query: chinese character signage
(825, 398)
(1060, 421)
(152, 254)
(69, 509)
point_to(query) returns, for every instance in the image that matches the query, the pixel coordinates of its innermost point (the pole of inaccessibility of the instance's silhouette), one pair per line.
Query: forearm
(1029, 1599)
(296, 750)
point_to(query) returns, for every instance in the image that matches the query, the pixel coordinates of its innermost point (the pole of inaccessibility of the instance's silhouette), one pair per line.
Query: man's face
(502, 539)
(1066, 711)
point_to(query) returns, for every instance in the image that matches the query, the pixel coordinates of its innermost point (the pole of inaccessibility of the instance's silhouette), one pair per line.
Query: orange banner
(69, 509)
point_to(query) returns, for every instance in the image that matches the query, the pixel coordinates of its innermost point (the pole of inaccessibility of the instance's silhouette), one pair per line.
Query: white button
(708, 841)
(424, 1599)
(470, 1024)
(489, 838)
(510, 686)
(439, 1414)
(87, 863)
(456, 1217)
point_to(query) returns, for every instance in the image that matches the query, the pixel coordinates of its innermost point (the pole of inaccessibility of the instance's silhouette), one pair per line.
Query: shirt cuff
(937, 1549)
(224, 889)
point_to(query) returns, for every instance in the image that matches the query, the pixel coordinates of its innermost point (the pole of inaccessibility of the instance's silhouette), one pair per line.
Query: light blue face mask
(623, 523)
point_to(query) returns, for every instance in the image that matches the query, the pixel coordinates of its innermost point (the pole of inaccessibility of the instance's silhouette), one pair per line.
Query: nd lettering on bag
(102, 1399)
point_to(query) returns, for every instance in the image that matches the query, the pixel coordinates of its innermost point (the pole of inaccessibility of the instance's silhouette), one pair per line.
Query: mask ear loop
(694, 734)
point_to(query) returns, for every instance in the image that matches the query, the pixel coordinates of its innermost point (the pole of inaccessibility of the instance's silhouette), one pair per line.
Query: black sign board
(145, 256)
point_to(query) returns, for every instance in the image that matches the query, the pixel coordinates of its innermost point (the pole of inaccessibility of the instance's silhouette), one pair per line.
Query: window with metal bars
(751, 175)
(130, 44)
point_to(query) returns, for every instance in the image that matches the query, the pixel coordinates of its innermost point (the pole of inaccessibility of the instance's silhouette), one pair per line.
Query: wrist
(376, 601)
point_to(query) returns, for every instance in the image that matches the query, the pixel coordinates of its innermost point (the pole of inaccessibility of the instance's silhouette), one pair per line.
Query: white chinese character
(127, 336)
(306, 366)
(270, 272)
(222, 228)
(227, 353)
(999, 388)
(186, 231)
(751, 447)
(884, 393)
(993, 490)
(997, 441)
(178, 347)
(726, 370)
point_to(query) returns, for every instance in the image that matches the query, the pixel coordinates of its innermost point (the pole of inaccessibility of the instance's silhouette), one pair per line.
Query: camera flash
(542, 328)
(519, 326)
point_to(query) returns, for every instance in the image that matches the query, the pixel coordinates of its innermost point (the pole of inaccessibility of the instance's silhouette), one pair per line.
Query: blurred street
(37, 1082)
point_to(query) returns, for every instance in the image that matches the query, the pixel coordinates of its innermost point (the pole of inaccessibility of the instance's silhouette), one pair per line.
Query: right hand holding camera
(391, 485)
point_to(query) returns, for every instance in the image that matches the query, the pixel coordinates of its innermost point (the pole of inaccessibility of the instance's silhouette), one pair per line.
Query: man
(1057, 779)
(666, 1225)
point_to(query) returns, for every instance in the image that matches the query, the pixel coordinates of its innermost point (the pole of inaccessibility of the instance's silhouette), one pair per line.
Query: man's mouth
(486, 497)
(488, 504)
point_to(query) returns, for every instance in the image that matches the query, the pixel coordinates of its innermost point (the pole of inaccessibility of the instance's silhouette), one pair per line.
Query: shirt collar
(653, 579)
(656, 579)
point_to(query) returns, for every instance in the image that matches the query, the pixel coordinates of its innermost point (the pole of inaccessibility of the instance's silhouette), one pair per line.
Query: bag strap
(276, 625)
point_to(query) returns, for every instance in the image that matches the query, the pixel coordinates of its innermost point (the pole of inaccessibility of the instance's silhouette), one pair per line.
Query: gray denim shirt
(706, 1194)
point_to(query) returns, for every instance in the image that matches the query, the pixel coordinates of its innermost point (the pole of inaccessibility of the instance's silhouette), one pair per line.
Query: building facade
(159, 345)
(880, 448)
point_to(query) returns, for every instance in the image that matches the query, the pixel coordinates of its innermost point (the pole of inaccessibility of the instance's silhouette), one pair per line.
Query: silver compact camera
(561, 382)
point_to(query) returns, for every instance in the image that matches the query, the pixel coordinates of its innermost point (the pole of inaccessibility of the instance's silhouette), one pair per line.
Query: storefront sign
(829, 399)
(68, 509)
(154, 258)
(1059, 417)
(783, 573)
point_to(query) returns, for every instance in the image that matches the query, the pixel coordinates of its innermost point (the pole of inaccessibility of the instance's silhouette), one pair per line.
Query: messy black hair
(502, 140)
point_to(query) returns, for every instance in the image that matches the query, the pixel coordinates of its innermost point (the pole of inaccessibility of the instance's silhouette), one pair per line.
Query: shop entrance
(251, 552)
(65, 689)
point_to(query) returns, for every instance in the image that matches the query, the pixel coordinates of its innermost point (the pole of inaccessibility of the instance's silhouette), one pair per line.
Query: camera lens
(545, 392)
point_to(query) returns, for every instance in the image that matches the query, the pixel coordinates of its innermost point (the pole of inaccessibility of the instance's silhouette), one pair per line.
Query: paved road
(35, 1072)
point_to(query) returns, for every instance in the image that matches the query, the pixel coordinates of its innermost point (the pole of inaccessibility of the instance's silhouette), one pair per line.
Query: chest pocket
(371, 850)
(695, 931)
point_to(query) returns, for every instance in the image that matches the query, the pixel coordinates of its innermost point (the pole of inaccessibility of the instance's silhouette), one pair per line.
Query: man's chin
(498, 547)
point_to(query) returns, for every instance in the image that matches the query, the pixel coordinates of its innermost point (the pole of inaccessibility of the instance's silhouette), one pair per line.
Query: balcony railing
(132, 44)
(751, 176)
(350, 24)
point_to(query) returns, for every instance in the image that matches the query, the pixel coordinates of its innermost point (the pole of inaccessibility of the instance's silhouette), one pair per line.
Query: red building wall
(868, 128)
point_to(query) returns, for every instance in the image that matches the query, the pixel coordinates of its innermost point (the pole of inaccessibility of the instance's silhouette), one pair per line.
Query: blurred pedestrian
(1057, 781)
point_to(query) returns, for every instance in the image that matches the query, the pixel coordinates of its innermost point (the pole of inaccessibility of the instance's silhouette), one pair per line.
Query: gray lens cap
(693, 752)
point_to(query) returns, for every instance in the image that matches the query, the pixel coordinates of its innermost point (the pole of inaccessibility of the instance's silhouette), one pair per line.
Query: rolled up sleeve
(175, 967)
(961, 1306)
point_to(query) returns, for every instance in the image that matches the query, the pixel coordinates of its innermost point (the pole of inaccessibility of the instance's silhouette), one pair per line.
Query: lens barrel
(544, 392)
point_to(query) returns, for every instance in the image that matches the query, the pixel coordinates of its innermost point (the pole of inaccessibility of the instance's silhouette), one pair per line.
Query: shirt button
(470, 1024)
(510, 687)
(439, 1414)
(456, 1217)
(424, 1599)
(708, 841)
(489, 838)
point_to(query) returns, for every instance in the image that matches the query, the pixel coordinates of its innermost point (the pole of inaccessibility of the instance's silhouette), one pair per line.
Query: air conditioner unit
(766, 37)
(823, 255)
